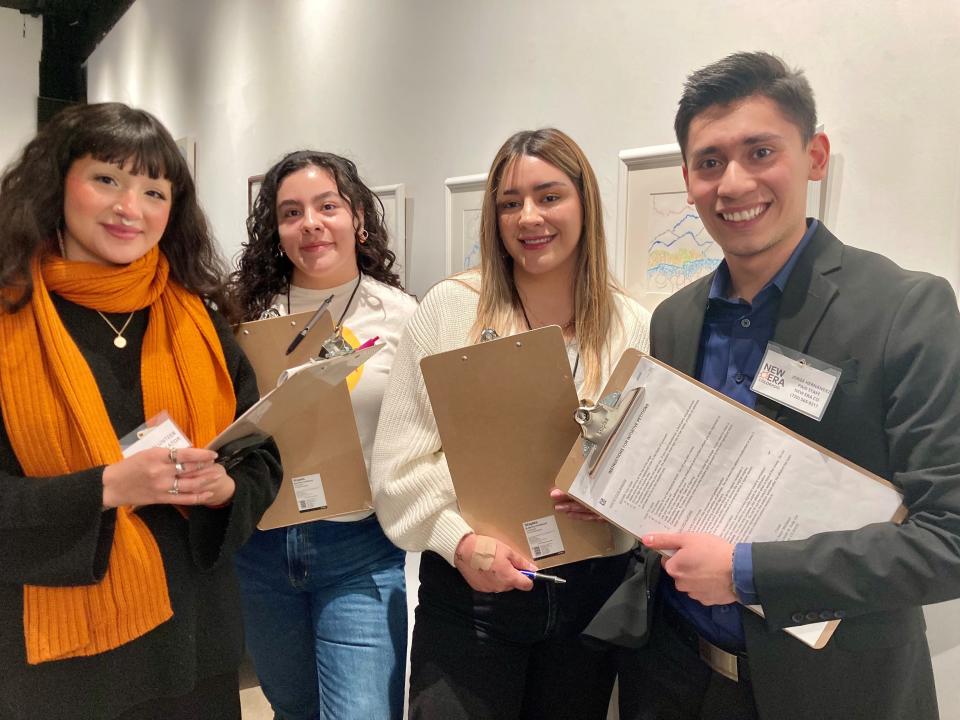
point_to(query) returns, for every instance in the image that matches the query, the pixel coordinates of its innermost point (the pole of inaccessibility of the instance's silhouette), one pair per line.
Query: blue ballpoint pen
(541, 576)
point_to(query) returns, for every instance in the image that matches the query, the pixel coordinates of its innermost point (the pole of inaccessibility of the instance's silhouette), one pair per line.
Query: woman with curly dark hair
(325, 602)
(116, 601)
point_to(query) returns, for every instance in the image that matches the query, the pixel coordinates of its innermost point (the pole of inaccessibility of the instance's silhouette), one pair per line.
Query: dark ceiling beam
(101, 17)
(72, 29)
(28, 7)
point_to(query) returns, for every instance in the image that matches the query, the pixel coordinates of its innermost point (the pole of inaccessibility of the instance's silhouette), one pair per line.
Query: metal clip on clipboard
(600, 422)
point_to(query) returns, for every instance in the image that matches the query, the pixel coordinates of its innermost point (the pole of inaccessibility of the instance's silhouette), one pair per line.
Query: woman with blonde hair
(118, 597)
(479, 648)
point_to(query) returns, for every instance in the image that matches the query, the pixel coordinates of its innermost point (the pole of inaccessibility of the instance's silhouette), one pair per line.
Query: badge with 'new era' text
(795, 380)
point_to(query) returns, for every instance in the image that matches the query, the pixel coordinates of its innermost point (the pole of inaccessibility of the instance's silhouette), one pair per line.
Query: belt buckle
(719, 660)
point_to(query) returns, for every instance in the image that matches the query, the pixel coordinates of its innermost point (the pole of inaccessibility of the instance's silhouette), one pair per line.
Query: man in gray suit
(746, 126)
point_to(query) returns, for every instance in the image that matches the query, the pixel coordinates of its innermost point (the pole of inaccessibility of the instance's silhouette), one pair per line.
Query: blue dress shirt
(734, 337)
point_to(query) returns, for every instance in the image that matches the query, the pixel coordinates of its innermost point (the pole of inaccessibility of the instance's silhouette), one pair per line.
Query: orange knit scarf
(57, 424)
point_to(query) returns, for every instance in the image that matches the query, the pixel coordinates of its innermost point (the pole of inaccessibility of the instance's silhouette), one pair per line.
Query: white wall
(421, 90)
(20, 38)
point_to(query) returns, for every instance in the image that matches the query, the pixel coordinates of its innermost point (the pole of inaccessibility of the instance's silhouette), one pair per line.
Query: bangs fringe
(138, 143)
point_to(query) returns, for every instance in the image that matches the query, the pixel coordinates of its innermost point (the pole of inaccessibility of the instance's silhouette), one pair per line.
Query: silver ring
(175, 490)
(172, 454)
(179, 468)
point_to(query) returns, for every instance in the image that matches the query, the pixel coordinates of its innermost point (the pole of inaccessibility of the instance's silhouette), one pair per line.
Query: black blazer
(896, 336)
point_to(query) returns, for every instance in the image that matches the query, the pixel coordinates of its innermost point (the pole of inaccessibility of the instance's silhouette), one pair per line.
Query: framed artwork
(662, 244)
(253, 189)
(394, 199)
(464, 200)
(188, 148)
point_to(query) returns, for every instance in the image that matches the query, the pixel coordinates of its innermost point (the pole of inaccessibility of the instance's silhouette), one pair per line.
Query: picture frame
(661, 243)
(394, 199)
(253, 189)
(462, 207)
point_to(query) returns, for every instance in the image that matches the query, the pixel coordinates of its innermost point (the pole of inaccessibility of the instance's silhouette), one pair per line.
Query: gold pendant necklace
(119, 341)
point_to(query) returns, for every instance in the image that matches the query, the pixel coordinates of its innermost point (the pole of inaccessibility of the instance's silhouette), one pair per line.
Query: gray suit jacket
(896, 336)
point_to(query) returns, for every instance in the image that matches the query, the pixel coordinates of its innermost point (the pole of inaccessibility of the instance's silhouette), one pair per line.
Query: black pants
(511, 655)
(667, 680)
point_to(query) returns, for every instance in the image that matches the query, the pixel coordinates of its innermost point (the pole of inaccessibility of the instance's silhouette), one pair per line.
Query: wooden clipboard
(265, 341)
(816, 635)
(504, 411)
(315, 428)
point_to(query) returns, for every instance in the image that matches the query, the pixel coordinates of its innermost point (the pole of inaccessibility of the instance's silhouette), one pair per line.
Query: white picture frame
(462, 206)
(394, 199)
(661, 244)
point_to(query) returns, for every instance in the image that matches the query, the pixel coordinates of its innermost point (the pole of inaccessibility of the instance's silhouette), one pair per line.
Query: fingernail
(647, 539)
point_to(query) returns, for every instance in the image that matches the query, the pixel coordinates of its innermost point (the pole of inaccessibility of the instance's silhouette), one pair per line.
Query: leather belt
(731, 665)
(719, 659)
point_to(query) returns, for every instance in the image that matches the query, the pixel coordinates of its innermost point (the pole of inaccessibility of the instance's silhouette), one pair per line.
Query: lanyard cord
(576, 365)
(339, 325)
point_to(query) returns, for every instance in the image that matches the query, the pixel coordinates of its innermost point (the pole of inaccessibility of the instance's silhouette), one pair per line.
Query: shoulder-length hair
(264, 272)
(32, 196)
(499, 305)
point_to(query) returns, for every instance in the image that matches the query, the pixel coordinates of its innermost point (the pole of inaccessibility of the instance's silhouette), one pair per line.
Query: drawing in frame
(394, 199)
(464, 201)
(661, 242)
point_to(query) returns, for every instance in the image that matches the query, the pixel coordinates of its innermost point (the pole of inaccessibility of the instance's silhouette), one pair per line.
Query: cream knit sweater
(412, 490)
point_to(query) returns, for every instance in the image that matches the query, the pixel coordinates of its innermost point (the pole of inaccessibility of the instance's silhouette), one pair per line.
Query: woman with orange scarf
(117, 592)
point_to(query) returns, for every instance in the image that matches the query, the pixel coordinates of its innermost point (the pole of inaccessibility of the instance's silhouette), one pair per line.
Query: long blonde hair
(499, 306)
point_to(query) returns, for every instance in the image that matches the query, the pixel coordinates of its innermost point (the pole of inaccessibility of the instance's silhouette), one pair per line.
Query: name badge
(795, 380)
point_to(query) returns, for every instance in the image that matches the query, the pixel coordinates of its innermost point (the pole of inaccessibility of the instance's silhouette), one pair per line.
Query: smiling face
(747, 170)
(540, 217)
(316, 229)
(111, 216)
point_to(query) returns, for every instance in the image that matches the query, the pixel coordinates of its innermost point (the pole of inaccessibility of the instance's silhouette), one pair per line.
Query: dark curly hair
(263, 273)
(32, 196)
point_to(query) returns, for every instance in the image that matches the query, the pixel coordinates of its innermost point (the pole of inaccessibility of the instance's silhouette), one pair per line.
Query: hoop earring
(63, 250)
(362, 236)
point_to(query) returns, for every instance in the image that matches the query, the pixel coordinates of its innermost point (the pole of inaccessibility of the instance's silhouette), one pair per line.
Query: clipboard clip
(599, 423)
(335, 346)
(488, 334)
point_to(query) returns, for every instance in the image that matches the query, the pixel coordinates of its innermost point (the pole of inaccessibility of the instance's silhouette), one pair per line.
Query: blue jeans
(325, 610)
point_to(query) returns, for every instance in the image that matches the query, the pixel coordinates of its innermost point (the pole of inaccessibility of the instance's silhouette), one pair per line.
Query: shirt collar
(721, 278)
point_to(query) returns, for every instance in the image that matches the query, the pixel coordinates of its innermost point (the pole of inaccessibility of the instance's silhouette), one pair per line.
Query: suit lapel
(687, 327)
(806, 298)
